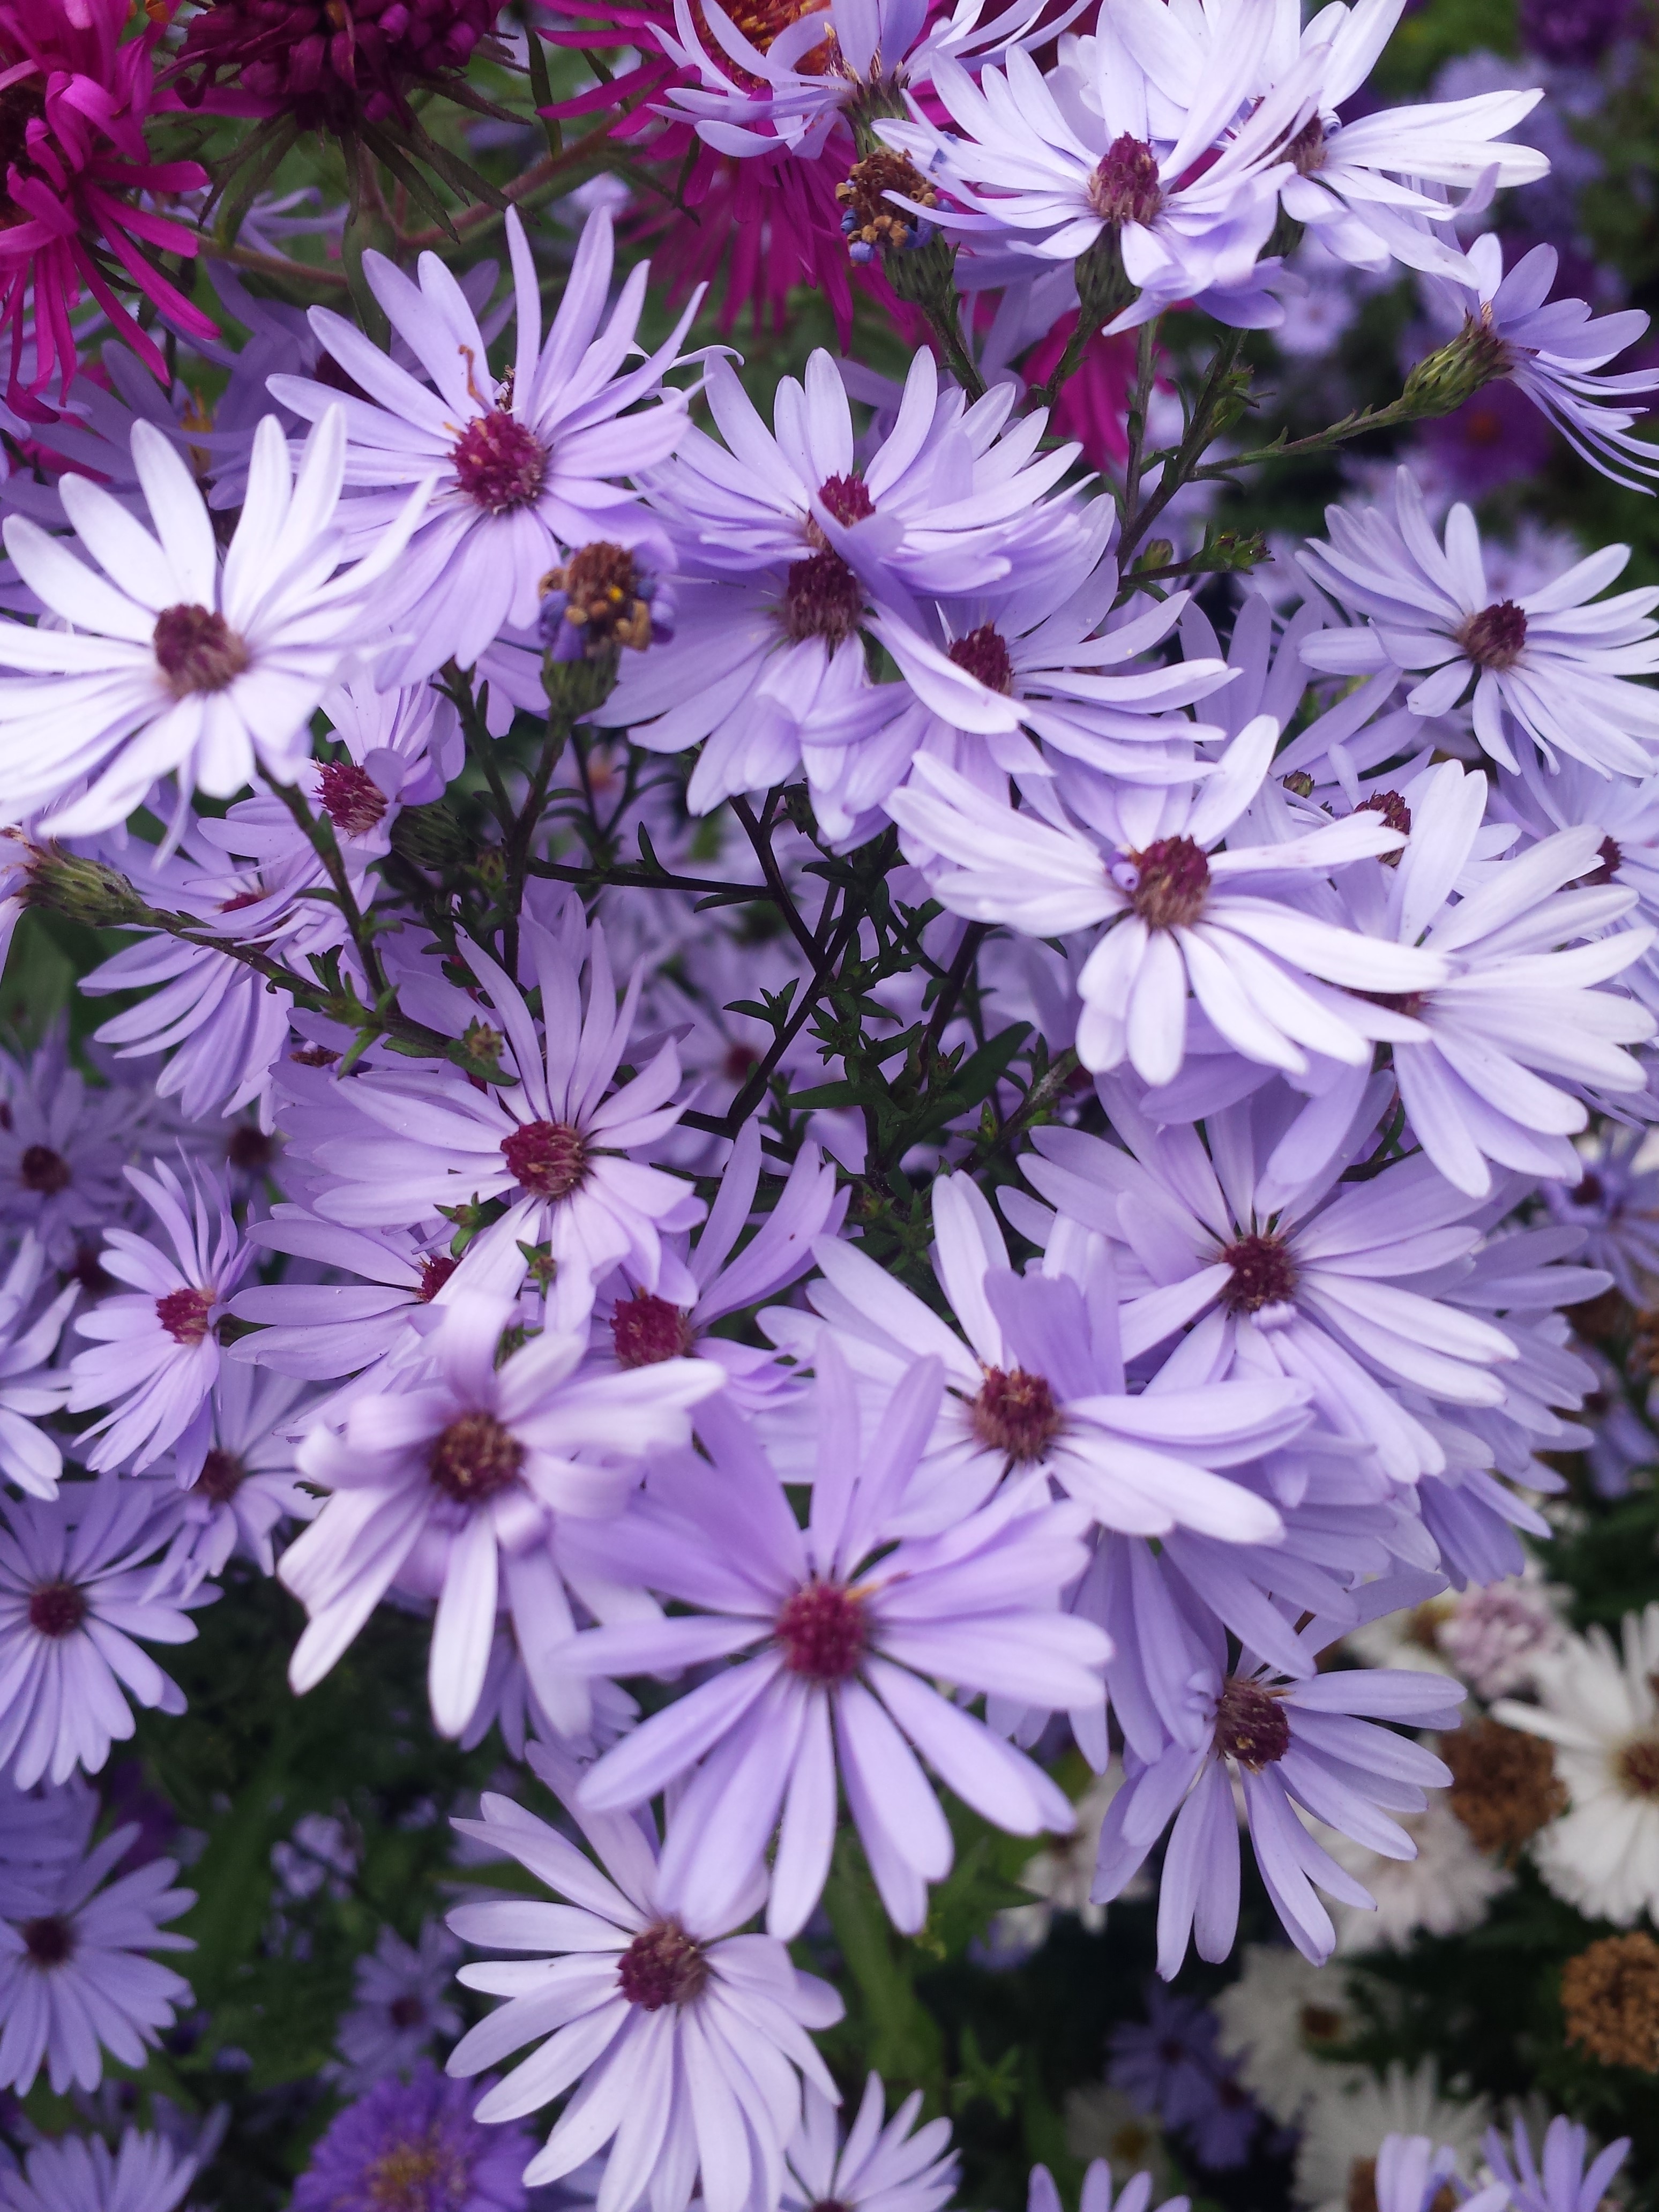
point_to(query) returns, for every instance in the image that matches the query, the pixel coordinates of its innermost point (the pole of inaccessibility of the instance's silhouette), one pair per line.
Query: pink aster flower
(74, 1978)
(686, 2044)
(460, 1485)
(846, 1633)
(76, 1587)
(554, 1144)
(80, 182)
(523, 468)
(156, 1355)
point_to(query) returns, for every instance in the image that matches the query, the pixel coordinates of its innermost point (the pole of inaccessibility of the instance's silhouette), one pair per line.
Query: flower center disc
(662, 1966)
(1264, 1274)
(197, 650)
(351, 798)
(57, 1609)
(183, 1314)
(498, 464)
(45, 1170)
(1125, 187)
(822, 597)
(984, 654)
(1172, 880)
(823, 1631)
(1495, 637)
(1251, 1724)
(474, 1458)
(1015, 1413)
(49, 1940)
(646, 1330)
(547, 1158)
(222, 1475)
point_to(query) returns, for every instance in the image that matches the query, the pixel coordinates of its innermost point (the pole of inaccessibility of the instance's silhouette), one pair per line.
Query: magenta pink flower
(74, 95)
(325, 63)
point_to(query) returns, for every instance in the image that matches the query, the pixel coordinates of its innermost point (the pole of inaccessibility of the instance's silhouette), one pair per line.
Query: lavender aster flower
(455, 1485)
(899, 2167)
(315, 1330)
(1298, 1747)
(399, 2004)
(1135, 2196)
(847, 1626)
(689, 2042)
(1561, 2183)
(171, 659)
(78, 2173)
(74, 1979)
(62, 1148)
(1411, 2175)
(75, 1591)
(157, 1354)
(1171, 2065)
(521, 469)
(414, 2146)
(1548, 664)
(29, 1387)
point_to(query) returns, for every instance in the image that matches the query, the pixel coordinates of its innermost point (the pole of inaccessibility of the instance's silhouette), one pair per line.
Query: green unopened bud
(577, 688)
(1442, 380)
(430, 836)
(1157, 553)
(84, 890)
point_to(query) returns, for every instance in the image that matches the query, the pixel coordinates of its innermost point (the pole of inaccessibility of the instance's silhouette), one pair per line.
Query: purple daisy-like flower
(74, 1978)
(1561, 2182)
(846, 1632)
(1170, 2065)
(156, 1356)
(414, 2146)
(689, 2042)
(459, 1483)
(29, 1386)
(554, 1144)
(1309, 1746)
(523, 468)
(899, 2167)
(78, 2174)
(399, 2003)
(76, 1587)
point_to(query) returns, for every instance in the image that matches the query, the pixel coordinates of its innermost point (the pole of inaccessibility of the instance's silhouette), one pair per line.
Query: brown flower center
(1609, 860)
(547, 1158)
(646, 1330)
(822, 597)
(1264, 1274)
(498, 464)
(1496, 636)
(412, 2176)
(1362, 2189)
(1610, 2001)
(602, 596)
(823, 1631)
(1251, 1724)
(1307, 151)
(1015, 1413)
(1504, 1783)
(1125, 186)
(436, 1269)
(1172, 880)
(868, 216)
(57, 1609)
(197, 651)
(351, 798)
(1395, 814)
(662, 1966)
(49, 1941)
(984, 654)
(1322, 2024)
(44, 1170)
(183, 1314)
(474, 1458)
(1637, 1767)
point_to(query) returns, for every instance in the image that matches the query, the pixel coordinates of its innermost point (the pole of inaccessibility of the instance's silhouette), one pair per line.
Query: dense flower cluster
(889, 1165)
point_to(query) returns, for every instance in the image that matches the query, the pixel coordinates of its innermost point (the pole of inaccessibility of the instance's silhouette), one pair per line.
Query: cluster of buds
(870, 220)
(602, 598)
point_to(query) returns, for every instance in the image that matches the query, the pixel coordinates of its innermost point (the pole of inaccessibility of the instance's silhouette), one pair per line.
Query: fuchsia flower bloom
(74, 95)
(323, 65)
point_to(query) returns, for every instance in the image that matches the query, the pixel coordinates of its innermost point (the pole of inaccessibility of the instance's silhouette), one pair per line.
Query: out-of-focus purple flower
(875, 2168)
(414, 2144)
(1489, 441)
(1560, 2183)
(1571, 32)
(400, 2001)
(1135, 2196)
(78, 2173)
(1171, 2065)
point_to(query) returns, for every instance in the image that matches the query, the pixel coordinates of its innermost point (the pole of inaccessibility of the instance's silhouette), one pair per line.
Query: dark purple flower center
(498, 464)
(1610, 860)
(474, 1458)
(823, 1631)
(57, 1609)
(49, 1940)
(547, 1158)
(41, 1168)
(822, 597)
(662, 1966)
(436, 1269)
(847, 498)
(1496, 636)
(249, 1148)
(183, 1314)
(1015, 1413)
(1172, 880)
(1251, 1724)
(21, 105)
(222, 1475)
(351, 798)
(646, 1330)
(197, 650)
(984, 654)
(1589, 1191)
(1264, 1274)
(1395, 814)
(1125, 186)
(406, 2012)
